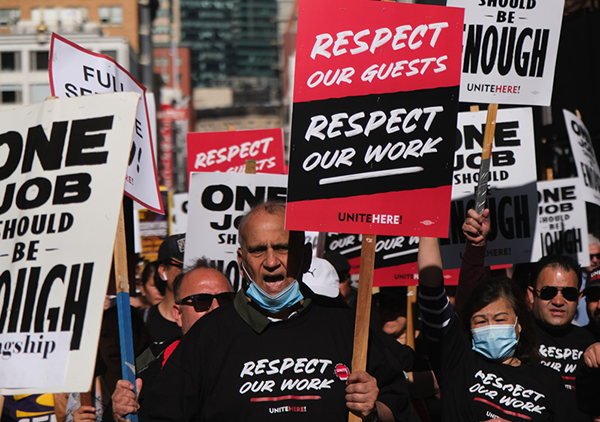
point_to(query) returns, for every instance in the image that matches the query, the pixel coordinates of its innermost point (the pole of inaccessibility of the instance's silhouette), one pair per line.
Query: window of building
(39, 92)
(110, 53)
(9, 16)
(10, 61)
(38, 60)
(112, 15)
(11, 94)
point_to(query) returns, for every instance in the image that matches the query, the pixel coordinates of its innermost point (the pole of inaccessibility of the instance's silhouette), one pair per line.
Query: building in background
(24, 76)
(25, 32)
(115, 18)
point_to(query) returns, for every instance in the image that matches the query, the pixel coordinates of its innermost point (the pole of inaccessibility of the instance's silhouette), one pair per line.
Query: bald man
(199, 290)
(281, 352)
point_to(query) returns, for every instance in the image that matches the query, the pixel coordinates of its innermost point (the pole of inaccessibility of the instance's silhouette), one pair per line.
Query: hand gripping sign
(75, 72)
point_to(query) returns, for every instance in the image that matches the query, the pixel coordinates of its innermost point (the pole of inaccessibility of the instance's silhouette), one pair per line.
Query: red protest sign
(374, 118)
(228, 151)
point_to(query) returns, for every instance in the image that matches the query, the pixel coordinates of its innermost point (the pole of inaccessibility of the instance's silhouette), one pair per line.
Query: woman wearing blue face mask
(489, 370)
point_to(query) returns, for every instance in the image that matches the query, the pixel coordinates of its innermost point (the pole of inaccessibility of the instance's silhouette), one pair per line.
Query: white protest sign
(509, 50)
(561, 221)
(75, 72)
(512, 189)
(585, 158)
(179, 211)
(217, 202)
(62, 170)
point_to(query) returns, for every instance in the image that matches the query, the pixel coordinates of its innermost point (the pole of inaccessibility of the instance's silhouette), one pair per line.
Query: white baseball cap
(322, 278)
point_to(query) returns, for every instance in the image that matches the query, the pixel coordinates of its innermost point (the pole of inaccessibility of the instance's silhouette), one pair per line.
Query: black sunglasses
(594, 255)
(202, 301)
(549, 292)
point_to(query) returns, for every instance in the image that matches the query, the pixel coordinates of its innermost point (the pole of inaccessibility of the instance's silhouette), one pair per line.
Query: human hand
(84, 414)
(124, 400)
(361, 393)
(477, 227)
(591, 356)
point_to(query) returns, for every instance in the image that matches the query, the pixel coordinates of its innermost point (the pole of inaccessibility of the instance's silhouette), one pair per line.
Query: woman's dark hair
(148, 272)
(490, 291)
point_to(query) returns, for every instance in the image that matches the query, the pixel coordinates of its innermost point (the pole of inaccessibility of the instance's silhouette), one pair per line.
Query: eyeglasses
(203, 301)
(594, 255)
(549, 292)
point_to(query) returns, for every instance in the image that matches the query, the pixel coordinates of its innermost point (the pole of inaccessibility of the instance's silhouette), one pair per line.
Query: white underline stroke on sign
(369, 175)
(356, 248)
(394, 255)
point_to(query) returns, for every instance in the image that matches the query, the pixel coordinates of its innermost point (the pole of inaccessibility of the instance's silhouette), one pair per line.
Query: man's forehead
(265, 228)
(557, 276)
(202, 278)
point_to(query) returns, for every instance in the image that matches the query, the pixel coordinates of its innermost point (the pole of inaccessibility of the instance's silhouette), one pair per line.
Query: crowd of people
(500, 348)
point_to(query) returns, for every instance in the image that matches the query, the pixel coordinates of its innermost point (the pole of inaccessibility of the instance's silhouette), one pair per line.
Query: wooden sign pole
(411, 299)
(123, 307)
(363, 307)
(484, 169)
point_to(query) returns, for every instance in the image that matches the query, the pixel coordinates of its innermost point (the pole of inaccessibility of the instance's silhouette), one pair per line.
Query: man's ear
(530, 294)
(239, 256)
(176, 312)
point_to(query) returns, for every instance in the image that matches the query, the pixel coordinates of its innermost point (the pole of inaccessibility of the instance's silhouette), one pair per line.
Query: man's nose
(559, 299)
(214, 305)
(271, 260)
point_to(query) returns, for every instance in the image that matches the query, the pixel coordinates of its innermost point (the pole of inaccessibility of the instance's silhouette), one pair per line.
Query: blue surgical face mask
(273, 304)
(495, 342)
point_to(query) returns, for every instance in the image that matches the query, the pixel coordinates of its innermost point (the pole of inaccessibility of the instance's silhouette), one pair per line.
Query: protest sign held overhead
(75, 72)
(512, 195)
(510, 50)
(588, 172)
(228, 151)
(561, 221)
(374, 119)
(62, 174)
(217, 202)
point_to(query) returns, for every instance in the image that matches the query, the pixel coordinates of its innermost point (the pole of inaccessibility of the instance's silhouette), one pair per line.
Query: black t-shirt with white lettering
(561, 351)
(477, 389)
(294, 370)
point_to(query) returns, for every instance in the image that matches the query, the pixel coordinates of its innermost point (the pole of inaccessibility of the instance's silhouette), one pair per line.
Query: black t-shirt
(293, 370)
(160, 328)
(593, 330)
(476, 389)
(561, 350)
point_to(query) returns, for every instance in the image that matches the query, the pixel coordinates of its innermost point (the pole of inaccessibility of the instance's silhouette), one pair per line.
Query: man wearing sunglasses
(592, 301)
(281, 352)
(581, 317)
(554, 294)
(198, 291)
